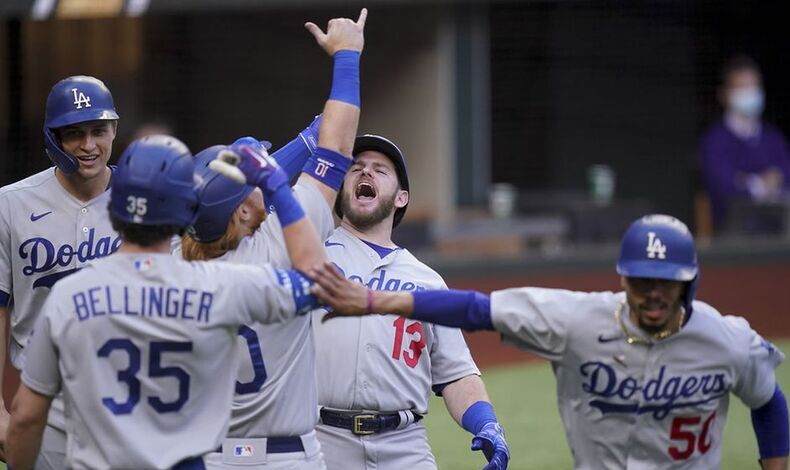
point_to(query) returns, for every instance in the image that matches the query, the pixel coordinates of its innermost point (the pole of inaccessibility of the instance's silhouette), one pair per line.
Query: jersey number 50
(689, 437)
(155, 369)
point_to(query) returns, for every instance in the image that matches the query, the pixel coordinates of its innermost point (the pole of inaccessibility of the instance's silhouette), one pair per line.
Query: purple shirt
(725, 158)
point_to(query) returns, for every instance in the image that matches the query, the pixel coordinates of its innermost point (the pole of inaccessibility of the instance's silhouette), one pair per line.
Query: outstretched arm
(344, 40)
(468, 310)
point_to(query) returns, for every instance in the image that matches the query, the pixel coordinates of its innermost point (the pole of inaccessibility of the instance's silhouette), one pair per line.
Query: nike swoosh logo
(328, 244)
(602, 339)
(34, 217)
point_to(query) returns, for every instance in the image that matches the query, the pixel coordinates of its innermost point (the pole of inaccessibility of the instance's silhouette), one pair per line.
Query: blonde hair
(193, 250)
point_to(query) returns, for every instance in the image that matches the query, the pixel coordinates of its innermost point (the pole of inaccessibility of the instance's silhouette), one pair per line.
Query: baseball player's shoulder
(728, 329)
(420, 270)
(31, 183)
(225, 271)
(591, 301)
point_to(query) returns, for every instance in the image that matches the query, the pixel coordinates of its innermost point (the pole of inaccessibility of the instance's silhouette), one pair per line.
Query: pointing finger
(363, 16)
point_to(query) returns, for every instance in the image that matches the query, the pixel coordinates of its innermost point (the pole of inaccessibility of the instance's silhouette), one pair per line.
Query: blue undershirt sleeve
(292, 157)
(770, 424)
(468, 310)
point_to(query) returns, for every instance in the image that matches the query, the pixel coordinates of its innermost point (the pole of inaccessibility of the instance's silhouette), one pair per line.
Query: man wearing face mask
(742, 157)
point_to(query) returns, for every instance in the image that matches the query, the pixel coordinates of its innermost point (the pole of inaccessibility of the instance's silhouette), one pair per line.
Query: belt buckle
(358, 424)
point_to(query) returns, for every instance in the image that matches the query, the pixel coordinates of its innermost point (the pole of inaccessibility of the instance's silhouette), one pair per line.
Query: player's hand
(310, 135)
(345, 297)
(249, 165)
(491, 440)
(341, 34)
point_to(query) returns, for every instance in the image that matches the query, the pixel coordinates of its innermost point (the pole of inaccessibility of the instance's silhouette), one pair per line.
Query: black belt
(281, 445)
(194, 463)
(363, 423)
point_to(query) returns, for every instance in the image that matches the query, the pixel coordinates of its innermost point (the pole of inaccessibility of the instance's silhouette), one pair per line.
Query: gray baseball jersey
(384, 362)
(276, 392)
(143, 346)
(45, 234)
(638, 406)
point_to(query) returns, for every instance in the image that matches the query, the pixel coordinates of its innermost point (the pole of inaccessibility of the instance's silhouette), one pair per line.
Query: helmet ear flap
(65, 162)
(690, 293)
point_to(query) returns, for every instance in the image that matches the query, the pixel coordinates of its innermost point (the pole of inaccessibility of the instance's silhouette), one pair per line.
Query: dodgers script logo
(655, 249)
(80, 99)
(43, 256)
(660, 395)
(382, 281)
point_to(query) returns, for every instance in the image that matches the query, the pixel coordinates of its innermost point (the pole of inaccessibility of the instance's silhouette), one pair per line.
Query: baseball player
(54, 222)
(375, 374)
(141, 342)
(643, 376)
(275, 408)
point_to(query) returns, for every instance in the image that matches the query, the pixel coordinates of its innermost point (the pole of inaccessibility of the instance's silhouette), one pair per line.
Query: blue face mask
(747, 102)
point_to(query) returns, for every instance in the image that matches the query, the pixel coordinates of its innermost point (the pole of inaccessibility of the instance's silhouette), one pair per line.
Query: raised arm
(344, 40)
(252, 165)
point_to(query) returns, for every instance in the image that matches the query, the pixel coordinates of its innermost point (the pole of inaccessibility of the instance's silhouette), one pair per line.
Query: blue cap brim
(657, 270)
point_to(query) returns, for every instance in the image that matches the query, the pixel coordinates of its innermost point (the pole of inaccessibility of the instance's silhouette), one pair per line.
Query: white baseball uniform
(638, 406)
(144, 348)
(383, 363)
(45, 235)
(276, 393)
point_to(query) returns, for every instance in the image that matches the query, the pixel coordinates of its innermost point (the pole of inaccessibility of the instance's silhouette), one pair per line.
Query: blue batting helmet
(71, 101)
(219, 197)
(154, 183)
(388, 148)
(660, 247)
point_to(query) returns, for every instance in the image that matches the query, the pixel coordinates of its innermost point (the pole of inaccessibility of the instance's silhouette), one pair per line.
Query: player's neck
(84, 189)
(379, 234)
(133, 248)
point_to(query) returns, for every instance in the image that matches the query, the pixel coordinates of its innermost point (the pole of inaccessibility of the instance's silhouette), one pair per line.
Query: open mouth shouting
(365, 192)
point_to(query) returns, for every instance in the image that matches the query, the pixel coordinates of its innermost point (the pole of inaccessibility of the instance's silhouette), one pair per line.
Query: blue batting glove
(253, 142)
(310, 135)
(249, 165)
(491, 440)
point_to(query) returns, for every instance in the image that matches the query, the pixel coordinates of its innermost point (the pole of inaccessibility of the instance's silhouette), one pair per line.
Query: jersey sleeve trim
(299, 285)
(39, 387)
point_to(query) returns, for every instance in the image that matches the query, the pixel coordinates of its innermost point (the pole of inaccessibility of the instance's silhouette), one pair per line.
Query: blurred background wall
(532, 94)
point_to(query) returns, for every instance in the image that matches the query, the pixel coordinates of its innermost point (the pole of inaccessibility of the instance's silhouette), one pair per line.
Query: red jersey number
(690, 436)
(410, 355)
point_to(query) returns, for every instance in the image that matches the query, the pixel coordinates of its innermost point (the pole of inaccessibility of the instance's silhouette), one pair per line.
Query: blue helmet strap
(688, 296)
(65, 162)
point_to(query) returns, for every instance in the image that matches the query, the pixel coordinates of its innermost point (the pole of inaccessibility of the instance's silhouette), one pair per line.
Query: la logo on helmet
(80, 99)
(655, 249)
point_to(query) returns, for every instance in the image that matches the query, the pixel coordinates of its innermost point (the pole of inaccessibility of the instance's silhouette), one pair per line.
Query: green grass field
(525, 403)
(524, 397)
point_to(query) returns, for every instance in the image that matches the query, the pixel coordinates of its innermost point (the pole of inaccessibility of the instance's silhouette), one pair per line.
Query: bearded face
(371, 191)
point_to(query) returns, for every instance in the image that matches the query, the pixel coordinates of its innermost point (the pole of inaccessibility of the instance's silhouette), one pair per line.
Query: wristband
(285, 204)
(370, 301)
(478, 415)
(328, 167)
(345, 80)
